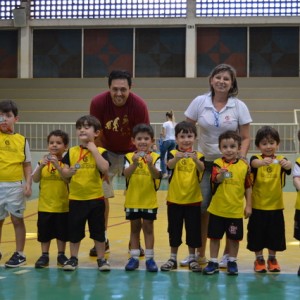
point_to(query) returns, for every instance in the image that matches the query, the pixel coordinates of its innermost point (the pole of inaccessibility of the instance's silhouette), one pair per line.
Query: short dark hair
(90, 121)
(119, 74)
(225, 68)
(64, 136)
(143, 128)
(230, 134)
(185, 127)
(266, 132)
(9, 106)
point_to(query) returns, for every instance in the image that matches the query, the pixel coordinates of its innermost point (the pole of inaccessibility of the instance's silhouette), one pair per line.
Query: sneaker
(103, 265)
(71, 264)
(260, 266)
(184, 262)
(151, 265)
(132, 264)
(15, 261)
(42, 262)
(93, 251)
(211, 268)
(142, 251)
(202, 260)
(232, 268)
(273, 265)
(223, 262)
(171, 264)
(61, 260)
(194, 266)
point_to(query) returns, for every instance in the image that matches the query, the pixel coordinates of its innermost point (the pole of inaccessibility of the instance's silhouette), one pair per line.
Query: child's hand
(135, 158)
(27, 190)
(148, 158)
(91, 146)
(267, 161)
(247, 211)
(72, 171)
(53, 159)
(285, 164)
(180, 155)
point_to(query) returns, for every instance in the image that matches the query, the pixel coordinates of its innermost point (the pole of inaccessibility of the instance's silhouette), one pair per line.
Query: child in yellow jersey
(142, 172)
(230, 185)
(53, 205)
(296, 181)
(15, 166)
(85, 165)
(184, 195)
(266, 225)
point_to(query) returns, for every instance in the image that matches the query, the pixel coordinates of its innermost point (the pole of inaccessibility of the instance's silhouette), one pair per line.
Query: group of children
(71, 194)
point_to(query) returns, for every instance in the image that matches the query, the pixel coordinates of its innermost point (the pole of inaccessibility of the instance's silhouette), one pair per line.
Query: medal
(142, 154)
(77, 166)
(275, 161)
(49, 156)
(227, 175)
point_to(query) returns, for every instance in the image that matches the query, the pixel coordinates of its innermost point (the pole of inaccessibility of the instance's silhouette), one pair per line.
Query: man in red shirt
(118, 111)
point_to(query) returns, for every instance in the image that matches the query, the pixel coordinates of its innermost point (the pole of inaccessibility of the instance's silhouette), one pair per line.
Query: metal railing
(37, 132)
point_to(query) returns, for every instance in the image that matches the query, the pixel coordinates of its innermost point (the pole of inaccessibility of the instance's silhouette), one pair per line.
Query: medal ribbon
(230, 163)
(52, 168)
(81, 155)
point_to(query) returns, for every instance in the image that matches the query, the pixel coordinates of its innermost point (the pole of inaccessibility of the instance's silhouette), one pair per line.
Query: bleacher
(270, 100)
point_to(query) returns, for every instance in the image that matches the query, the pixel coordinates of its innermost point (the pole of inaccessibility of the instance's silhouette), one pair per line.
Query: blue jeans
(166, 146)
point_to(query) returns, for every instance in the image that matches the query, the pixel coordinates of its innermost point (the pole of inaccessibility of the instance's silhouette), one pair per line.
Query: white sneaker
(185, 262)
(200, 260)
(223, 262)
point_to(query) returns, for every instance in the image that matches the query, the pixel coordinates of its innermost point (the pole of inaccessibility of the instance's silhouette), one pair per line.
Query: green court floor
(52, 283)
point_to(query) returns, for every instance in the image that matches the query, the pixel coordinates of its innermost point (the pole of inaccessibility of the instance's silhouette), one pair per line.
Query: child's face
(7, 121)
(86, 133)
(56, 146)
(268, 146)
(185, 141)
(229, 149)
(142, 142)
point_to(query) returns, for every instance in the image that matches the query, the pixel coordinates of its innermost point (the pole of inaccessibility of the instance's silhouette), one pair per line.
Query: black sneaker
(103, 265)
(15, 261)
(71, 264)
(93, 251)
(61, 260)
(42, 262)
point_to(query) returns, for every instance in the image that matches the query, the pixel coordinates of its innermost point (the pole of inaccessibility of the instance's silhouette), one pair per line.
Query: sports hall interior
(53, 67)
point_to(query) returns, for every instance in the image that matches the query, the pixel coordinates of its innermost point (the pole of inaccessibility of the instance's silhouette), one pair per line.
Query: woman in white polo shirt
(216, 112)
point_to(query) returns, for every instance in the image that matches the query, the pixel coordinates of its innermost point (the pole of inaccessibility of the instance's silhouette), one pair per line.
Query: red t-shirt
(118, 121)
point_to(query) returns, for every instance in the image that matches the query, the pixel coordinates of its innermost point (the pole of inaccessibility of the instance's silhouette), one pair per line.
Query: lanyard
(228, 164)
(53, 169)
(81, 155)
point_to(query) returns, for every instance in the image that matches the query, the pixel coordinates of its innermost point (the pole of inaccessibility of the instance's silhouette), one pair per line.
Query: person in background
(266, 227)
(118, 111)
(15, 166)
(184, 196)
(168, 140)
(53, 203)
(216, 112)
(231, 185)
(142, 172)
(296, 182)
(84, 166)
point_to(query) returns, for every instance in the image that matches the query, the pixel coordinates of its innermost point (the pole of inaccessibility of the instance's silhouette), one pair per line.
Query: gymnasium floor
(88, 283)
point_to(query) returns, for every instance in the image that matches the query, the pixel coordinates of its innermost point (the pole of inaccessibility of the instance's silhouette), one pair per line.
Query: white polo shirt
(213, 123)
